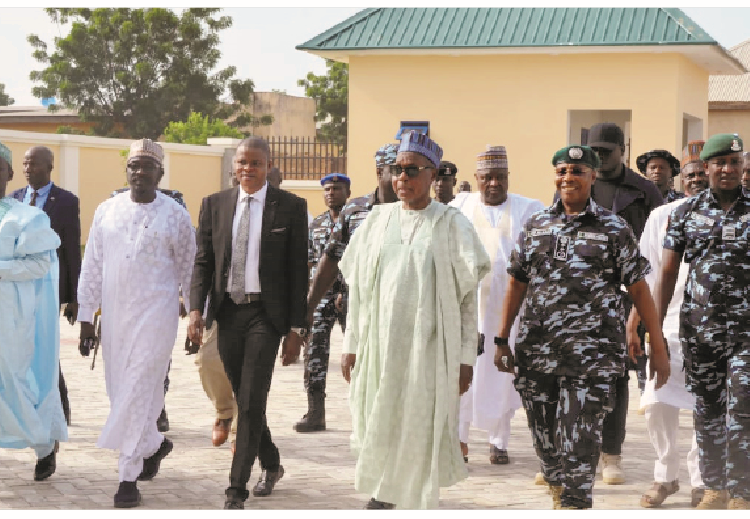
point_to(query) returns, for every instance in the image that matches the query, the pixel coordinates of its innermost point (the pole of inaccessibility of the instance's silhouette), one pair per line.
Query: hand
(88, 336)
(347, 365)
(195, 327)
(183, 310)
(464, 378)
(290, 348)
(339, 304)
(71, 312)
(659, 361)
(634, 343)
(504, 353)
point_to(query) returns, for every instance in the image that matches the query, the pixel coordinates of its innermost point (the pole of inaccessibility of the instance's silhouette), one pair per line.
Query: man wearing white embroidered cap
(140, 248)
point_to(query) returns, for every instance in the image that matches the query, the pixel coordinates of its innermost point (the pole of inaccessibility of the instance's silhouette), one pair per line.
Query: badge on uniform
(728, 233)
(561, 247)
(736, 145)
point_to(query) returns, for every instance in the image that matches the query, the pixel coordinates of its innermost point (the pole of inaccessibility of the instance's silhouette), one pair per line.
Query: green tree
(132, 71)
(331, 94)
(5, 99)
(197, 129)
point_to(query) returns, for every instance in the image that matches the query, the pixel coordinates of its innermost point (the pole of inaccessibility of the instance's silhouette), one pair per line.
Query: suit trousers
(214, 378)
(248, 345)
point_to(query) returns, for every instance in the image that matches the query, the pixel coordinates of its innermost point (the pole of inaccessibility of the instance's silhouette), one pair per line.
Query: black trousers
(248, 344)
(63, 394)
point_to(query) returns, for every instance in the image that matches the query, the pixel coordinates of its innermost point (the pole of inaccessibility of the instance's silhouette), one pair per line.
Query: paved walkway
(319, 467)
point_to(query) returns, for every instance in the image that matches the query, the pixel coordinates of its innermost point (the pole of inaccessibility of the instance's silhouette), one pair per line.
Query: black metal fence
(304, 158)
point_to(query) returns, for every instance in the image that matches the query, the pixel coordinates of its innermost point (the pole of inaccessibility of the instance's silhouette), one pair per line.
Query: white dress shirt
(252, 264)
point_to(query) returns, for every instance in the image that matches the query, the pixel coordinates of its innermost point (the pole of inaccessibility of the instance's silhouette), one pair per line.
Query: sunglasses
(577, 171)
(411, 171)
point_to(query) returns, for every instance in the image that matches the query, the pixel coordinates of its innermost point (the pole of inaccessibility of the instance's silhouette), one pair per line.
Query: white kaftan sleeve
(28, 256)
(184, 253)
(90, 282)
(469, 322)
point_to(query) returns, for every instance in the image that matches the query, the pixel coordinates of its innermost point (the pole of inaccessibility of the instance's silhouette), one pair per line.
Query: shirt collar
(591, 208)
(41, 191)
(711, 196)
(258, 196)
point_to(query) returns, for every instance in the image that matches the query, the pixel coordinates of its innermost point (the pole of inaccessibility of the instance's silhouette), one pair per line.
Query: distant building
(292, 116)
(39, 119)
(729, 98)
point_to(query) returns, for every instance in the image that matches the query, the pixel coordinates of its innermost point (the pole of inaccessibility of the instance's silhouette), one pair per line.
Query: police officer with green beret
(711, 232)
(567, 267)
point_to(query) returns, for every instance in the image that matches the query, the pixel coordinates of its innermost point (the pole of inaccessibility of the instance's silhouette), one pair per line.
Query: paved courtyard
(319, 469)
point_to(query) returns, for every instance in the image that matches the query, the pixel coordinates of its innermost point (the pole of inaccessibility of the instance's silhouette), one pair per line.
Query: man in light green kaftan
(412, 269)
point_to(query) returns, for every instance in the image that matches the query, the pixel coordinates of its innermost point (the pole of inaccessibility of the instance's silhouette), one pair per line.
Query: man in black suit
(63, 209)
(252, 258)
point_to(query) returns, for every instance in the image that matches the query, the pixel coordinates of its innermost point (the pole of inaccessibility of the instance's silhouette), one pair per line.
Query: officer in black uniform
(336, 190)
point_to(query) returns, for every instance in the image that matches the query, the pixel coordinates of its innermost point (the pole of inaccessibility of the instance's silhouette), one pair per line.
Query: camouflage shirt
(319, 235)
(673, 195)
(352, 215)
(716, 305)
(171, 193)
(573, 317)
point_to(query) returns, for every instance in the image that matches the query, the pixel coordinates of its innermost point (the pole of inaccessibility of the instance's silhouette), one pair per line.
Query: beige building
(292, 116)
(39, 119)
(729, 98)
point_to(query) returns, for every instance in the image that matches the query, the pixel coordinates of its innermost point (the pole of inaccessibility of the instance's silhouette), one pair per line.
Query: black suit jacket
(283, 256)
(63, 209)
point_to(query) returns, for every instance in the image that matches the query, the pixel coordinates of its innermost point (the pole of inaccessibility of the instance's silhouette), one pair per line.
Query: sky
(261, 42)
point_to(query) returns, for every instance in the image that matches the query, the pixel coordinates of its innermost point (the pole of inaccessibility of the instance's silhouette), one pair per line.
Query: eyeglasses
(577, 171)
(411, 171)
(146, 167)
(733, 163)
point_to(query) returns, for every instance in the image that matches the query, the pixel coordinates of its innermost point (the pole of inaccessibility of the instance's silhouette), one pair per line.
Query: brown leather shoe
(220, 432)
(267, 481)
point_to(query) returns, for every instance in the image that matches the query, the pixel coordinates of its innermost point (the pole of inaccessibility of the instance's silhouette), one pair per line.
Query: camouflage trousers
(566, 417)
(718, 374)
(318, 348)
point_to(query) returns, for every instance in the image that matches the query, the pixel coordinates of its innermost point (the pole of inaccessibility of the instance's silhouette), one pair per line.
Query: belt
(249, 298)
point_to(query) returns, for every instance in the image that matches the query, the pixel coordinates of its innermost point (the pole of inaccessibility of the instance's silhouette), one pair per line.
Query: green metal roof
(436, 28)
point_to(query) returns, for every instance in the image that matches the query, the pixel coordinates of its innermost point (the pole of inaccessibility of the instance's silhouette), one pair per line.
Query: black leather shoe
(267, 481)
(152, 463)
(46, 466)
(374, 504)
(234, 503)
(127, 495)
(162, 423)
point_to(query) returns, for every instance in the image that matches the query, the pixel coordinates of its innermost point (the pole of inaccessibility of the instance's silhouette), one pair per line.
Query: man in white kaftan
(662, 407)
(30, 410)
(412, 277)
(498, 218)
(136, 257)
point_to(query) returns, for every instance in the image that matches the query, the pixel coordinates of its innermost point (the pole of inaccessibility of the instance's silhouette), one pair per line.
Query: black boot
(315, 418)
(127, 495)
(46, 466)
(162, 423)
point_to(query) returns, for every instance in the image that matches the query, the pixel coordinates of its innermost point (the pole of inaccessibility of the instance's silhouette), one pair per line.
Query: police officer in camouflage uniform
(712, 231)
(162, 423)
(567, 268)
(336, 190)
(351, 217)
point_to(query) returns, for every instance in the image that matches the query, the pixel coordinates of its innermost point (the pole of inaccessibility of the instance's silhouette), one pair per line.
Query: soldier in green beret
(711, 232)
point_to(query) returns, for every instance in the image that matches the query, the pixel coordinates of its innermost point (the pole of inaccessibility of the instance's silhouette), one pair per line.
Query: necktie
(33, 197)
(239, 255)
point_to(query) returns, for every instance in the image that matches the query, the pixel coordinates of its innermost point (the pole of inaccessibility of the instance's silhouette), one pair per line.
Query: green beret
(721, 144)
(576, 155)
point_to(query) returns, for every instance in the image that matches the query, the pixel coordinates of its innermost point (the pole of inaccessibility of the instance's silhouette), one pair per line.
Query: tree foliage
(5, 99)
(197, 129)
(132, 71)
(331, 94)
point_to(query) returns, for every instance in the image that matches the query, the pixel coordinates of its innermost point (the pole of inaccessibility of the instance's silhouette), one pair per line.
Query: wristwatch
(302, 332)
(501, 341)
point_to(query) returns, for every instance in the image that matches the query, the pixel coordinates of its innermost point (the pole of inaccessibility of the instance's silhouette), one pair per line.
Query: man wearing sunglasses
(662, 407)
(566, 270)
(409, 349)
(711, 232)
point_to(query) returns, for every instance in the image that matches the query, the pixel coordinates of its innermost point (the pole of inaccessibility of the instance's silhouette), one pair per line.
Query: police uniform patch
(562, 244)
(540, 232)
(592, 236)
(728, 233)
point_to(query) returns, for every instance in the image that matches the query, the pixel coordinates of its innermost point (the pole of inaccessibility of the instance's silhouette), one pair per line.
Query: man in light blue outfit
(30, 410)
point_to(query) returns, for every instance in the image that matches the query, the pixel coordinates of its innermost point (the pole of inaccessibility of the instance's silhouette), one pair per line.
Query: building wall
(293, 116)
(519, 101)
(730, 121)
(43, 127)
(18, 149)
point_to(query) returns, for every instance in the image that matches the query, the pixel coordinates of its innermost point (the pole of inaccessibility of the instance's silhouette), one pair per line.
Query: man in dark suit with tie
(63, 209)
(252, 258)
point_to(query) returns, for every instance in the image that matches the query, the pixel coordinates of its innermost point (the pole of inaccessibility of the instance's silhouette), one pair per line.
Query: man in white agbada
(30, 410)
(140, 248)
(663, 406)
(412, 269)
(498, 218)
